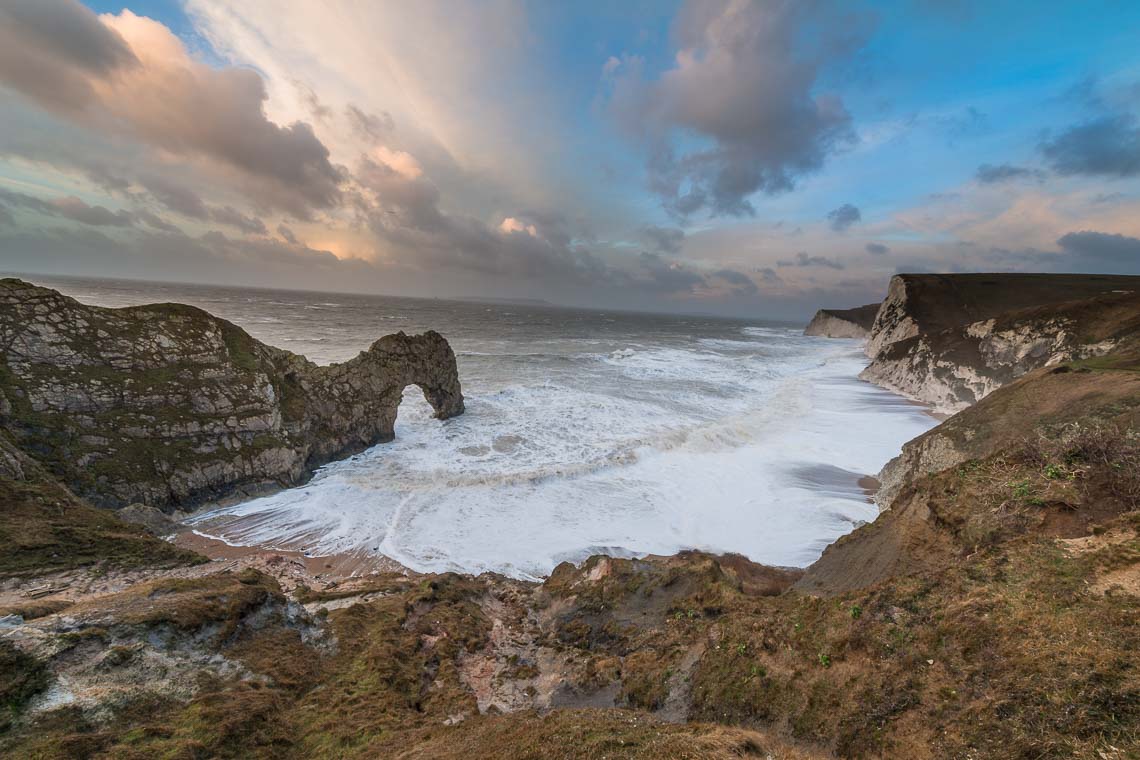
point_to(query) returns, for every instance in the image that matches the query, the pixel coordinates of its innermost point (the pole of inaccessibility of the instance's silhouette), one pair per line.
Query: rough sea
(586, 432)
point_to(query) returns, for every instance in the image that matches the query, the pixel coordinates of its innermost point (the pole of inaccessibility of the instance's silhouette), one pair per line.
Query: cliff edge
(843, 323)
(168, 405)
(950, 340)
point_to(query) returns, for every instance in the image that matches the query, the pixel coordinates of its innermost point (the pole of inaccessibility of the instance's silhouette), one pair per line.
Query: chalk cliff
(950, 340)
(169, 406)
(843, 323)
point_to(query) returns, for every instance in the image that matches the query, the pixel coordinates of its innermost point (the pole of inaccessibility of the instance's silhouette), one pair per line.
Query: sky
(757, 159)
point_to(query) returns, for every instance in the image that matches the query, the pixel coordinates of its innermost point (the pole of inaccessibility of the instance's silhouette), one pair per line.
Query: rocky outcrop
(843, 323)
(169, 406)
(949, 341)
(925, 304)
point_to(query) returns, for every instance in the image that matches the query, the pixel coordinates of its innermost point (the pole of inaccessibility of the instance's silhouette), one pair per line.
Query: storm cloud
(131, 75)
(745, 83)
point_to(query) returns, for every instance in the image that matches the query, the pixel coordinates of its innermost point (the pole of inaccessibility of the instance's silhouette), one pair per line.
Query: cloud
(287, 235)
(991, 174)
(154, 221)
(510, 225)
(970, 123)
(1103, 248)
(175, 196)
(1108, 146)
(803, 260)
(665, 239)
(97, 216)
(371, 127)
(69, 207)
(842, 218)
(667, 276)
(877, 249)
(231, 216)
(744, 83)
(130, 75)
(51, 49)
(741, 284)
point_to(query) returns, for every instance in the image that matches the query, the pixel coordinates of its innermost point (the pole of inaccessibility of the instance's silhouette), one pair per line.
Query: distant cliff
(843, 323)
(169, 406)
(950, 340)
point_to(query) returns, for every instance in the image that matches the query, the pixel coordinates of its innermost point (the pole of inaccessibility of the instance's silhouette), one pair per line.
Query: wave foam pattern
(585, 433)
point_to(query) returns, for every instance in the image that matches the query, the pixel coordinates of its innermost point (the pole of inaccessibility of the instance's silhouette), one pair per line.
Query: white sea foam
(584, 433)
(533, 474)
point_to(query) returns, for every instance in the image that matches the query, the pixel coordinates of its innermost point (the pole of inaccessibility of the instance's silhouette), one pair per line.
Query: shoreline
(824, 479)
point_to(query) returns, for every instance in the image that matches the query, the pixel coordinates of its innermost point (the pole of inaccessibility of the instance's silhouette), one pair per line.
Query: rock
(951, 340)
(169, 406)
(151, 518)
(843, 323)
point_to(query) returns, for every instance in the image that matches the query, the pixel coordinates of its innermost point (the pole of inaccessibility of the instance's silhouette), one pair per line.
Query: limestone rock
(169, 406)
(843, 323)
(951, 340)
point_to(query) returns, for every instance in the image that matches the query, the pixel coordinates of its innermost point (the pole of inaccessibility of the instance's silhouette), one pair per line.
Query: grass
(43, 529)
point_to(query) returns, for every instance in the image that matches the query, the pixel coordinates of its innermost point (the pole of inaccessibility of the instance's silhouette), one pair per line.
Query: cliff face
(843, 323)
(950, 340)
(1027, 457)
(168, 405)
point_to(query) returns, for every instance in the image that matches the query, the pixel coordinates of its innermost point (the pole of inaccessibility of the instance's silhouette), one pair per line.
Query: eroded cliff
(169, 406)
(843, 323)
(950, 340)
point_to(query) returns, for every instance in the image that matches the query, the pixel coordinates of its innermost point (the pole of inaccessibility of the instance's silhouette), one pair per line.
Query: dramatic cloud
(1108, 146)
(991, 174)
(803, 260)
(744, 83)
(1103, 248)
(130, 74)
(877, 249)
(51, 50)
(842, 218)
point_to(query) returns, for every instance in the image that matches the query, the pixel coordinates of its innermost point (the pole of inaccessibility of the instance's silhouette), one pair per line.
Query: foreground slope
(170, 406)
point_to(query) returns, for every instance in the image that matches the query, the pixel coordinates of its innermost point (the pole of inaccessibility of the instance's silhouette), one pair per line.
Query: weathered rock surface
(843, 323)
(949, 340)
(930, 303)
(169, 406)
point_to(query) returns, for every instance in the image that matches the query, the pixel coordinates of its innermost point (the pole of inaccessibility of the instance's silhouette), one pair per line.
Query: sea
(586, 432)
